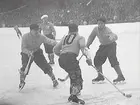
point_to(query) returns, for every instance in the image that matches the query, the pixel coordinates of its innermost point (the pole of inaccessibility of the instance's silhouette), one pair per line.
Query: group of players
(68, 50)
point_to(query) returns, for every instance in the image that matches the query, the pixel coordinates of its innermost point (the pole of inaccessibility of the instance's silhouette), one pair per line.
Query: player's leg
(49, 51)
(76, 82)
(40, 60)
(51, 54)
(24, 59)
(99, 60)
(69, 63)
(114, 63)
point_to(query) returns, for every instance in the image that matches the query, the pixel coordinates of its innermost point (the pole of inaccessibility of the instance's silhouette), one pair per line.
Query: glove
(111, 36)
(30, 54)
(89, 61)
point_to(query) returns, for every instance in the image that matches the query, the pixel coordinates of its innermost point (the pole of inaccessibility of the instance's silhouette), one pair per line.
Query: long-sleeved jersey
(72, 42)
(31, 43)
(48, 28)
(103, 35)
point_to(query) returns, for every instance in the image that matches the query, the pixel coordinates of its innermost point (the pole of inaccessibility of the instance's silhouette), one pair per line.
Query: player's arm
(91, 37)
(48, 40)
(85, 51)
(53, 30)
(83, 47)
(57, 48)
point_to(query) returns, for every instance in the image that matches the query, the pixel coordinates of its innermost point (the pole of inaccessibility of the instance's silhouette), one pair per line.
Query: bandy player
(68, 50)
(48, 31)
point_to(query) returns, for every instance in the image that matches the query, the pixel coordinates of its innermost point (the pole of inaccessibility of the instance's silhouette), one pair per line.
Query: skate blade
(21, 87)
(74, 103)
(100, 82)
(119, 83)
(56, 87)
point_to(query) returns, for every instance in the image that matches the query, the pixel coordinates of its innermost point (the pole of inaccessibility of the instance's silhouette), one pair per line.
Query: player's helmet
(34, 27)
(73, 27)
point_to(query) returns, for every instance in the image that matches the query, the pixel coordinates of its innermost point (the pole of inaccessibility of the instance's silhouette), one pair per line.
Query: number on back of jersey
(69, 39)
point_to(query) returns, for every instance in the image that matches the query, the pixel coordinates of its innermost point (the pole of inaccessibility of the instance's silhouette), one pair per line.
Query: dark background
(60, 12)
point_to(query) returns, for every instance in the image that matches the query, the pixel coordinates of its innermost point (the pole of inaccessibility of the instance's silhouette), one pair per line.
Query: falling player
(49, 31)
(30, 46)
(19, 34)
(106, 50)
(68, 50)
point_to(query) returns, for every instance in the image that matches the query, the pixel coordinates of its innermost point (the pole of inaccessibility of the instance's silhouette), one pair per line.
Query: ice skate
(75, 99)
(55, 83)
(22, 79)
(21, 85)
(119, 80)
(98, 80)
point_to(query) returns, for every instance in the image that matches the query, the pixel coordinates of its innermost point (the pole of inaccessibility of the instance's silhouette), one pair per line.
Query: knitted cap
(44, 16)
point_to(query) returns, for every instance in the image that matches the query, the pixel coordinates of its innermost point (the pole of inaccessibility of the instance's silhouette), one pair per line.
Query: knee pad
(74, 89)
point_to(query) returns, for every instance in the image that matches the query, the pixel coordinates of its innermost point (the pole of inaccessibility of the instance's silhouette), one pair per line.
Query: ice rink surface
(38, 89)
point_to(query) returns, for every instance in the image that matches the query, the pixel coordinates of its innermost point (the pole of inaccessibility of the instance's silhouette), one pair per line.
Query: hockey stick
(126, 95)
(25, 74)
(63, 80)
(19, 34)
(27, 66)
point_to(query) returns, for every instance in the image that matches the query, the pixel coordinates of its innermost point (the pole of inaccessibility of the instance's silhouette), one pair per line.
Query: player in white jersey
(68, 49)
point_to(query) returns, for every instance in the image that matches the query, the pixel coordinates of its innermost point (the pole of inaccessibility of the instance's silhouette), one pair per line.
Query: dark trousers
(104, 52)
(39, 59)
(48, 47)
(70, 64)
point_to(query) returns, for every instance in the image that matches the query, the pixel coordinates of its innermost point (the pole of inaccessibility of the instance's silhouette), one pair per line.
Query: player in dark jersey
(19, 34)
(48, 31)
(68, 50)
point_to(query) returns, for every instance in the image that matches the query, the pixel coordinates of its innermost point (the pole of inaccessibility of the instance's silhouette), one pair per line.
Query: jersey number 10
(69, 39)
